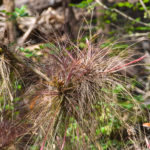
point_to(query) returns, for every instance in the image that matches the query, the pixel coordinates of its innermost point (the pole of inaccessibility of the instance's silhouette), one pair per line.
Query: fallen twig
(20, 59)
(27, 33)
(121, 13)
(144, 6)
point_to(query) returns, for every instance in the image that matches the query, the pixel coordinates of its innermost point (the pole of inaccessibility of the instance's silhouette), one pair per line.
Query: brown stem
(16, 58)
(10, 24)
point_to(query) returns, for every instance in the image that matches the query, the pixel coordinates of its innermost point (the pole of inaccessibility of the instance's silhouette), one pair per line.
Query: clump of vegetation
(79, 96)
(86, 103)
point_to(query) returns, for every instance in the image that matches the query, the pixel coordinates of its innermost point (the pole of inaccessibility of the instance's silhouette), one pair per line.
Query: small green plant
(71, 130)
(28, 53)
(19, 12)
(83, 4)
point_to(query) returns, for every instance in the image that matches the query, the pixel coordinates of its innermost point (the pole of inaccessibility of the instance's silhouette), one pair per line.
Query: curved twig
(121, 13)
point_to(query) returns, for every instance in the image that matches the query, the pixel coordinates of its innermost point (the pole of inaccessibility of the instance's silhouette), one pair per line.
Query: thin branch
(145, 8)
(28, 32)
(121, 13)
(13, 56)
(10, 24)
(137, 35)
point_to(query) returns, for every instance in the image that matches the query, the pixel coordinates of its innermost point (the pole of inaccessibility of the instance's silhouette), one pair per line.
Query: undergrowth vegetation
(76, 96)
(87, 104)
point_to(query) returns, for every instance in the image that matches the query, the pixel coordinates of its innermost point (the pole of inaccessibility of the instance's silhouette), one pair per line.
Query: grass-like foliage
(86, 105)
(6, 96)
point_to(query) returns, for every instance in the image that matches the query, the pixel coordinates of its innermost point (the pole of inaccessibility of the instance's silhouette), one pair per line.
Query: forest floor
(71, 78)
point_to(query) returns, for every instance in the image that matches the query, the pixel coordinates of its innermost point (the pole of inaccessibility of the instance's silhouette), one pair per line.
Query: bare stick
(27, 33)
(121, 13)
(145, 8)
(17, 58)
(10, 25)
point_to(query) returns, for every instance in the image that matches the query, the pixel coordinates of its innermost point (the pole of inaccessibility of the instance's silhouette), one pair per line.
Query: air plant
(82, 88)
